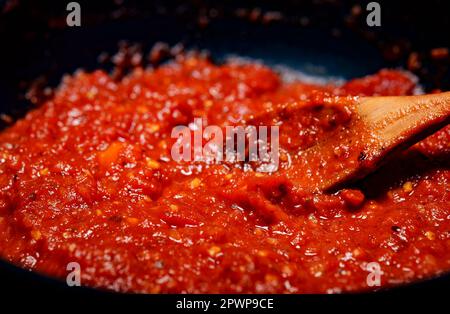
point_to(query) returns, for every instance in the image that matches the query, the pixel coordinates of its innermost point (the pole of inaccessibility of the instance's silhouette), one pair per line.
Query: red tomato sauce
(88, 177)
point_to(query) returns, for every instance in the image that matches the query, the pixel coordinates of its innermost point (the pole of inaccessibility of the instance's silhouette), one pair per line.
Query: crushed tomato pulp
(88, 177)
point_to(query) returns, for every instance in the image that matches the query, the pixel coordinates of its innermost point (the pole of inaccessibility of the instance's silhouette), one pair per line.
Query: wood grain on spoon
(382, 126)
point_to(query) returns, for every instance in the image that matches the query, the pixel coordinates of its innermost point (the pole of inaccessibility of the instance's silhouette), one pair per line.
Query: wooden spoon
(382, 126)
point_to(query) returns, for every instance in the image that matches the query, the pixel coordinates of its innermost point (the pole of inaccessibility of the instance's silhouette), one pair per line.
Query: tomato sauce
(88, 177)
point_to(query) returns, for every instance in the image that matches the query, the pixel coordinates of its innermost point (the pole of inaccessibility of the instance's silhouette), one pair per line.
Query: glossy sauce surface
(88, 177)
